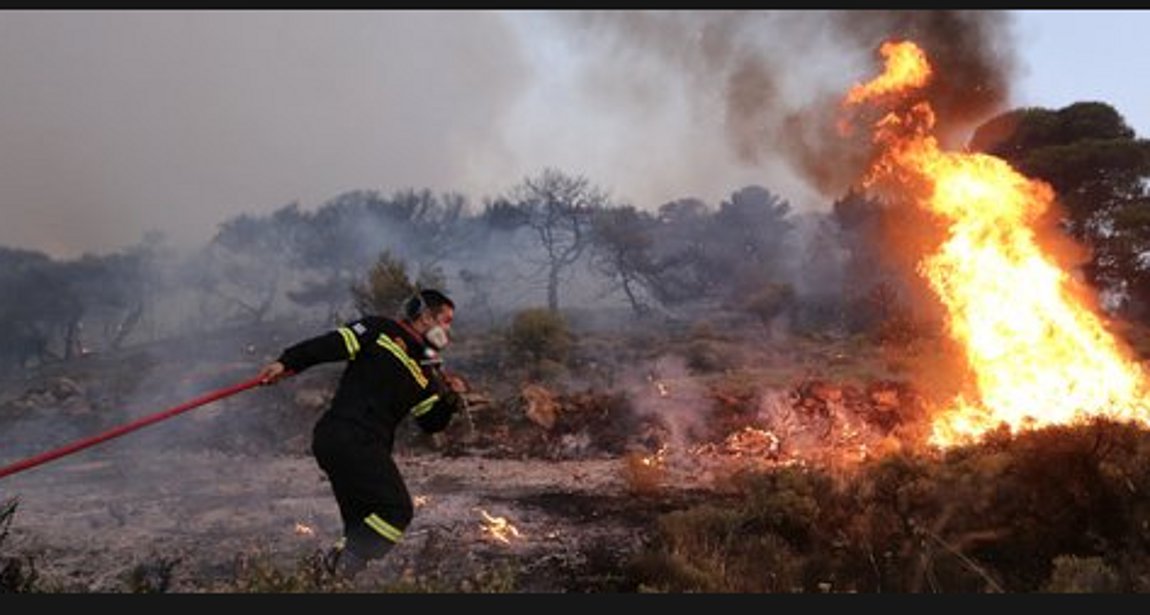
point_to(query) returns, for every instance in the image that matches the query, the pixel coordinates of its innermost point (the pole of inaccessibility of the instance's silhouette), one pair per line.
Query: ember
(749, 441)
(498, 528)
(662, 388)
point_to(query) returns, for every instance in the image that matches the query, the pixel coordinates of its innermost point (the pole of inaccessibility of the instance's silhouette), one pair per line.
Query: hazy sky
(115, 123)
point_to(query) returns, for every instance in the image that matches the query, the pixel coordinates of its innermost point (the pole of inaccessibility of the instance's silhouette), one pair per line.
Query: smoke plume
(770, 83)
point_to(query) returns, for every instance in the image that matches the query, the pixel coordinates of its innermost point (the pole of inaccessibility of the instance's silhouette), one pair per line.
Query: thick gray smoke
(767, 85)
(116, 123)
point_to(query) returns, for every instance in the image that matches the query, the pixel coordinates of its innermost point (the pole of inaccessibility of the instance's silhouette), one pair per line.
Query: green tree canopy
(1100, 171)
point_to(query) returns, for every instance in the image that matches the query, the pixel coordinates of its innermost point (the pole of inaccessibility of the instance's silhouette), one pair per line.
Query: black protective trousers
(366, 483)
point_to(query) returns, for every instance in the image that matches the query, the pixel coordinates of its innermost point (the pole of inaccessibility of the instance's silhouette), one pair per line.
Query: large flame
(1039, 354)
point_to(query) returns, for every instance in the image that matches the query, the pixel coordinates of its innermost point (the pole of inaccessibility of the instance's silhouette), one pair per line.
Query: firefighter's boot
(341, 562)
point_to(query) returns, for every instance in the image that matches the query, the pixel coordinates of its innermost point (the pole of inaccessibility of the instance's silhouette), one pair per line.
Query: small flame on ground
(498, 528)
(658, 458)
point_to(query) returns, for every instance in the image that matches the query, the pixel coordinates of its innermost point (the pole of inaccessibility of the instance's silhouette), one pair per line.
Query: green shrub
(770, 302)
(539, 335)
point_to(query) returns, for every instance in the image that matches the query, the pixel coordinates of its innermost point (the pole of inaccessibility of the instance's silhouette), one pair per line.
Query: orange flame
(1039, 354)
(498, 528)
(906, 69)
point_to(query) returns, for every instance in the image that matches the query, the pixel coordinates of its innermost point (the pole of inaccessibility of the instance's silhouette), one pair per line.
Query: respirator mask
(437, 337)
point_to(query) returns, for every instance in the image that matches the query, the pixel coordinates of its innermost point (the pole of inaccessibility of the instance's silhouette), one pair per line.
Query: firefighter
(393, 369)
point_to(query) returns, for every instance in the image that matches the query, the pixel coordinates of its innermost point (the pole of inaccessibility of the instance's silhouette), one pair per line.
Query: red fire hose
(127, 427)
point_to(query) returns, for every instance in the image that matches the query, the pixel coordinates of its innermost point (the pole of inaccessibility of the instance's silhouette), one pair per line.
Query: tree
(334, 246)
(701, 256)
(621, 251)
(115, 290)
(747, 242)
(478, 284)
(559, 210)
(25, 291)
(501, 214)
(246, 261)
(678, 253)
(1101, 173)
(884, 242)
(387, 285)
(341, 239)
(1085, 151)
(431, 226)
(819, 277)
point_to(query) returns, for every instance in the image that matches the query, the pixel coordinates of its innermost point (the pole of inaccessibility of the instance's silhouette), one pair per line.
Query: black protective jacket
(390, 374)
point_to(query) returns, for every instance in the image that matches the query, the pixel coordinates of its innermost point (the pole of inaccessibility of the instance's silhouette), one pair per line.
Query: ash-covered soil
(535, 489)
(91, 521)
(114, 521)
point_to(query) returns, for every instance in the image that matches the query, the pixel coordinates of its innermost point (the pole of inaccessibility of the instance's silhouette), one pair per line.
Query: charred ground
(691, 463)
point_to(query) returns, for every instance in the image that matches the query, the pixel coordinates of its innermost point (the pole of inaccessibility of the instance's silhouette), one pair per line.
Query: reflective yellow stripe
(425, 405)
(412, 366)
(384, 528)
(350, 341)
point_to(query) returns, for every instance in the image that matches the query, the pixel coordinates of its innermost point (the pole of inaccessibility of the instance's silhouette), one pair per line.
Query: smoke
(116, 123)
(662, 390)
(761, 90)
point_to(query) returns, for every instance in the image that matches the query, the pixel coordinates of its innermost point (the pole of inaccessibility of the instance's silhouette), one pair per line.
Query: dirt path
(89, 521)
